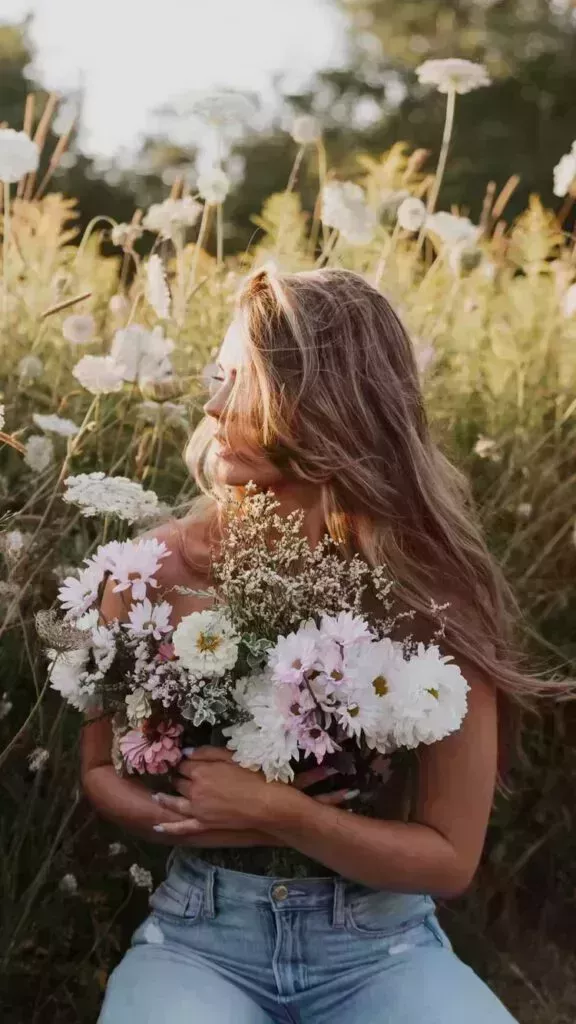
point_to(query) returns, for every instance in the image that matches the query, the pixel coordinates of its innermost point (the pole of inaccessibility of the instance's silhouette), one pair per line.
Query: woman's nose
(213, 407)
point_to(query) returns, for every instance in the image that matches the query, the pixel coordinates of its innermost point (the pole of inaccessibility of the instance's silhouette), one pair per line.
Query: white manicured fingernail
(188, 751)
(159, 828)
(351, 794)
(158, 797)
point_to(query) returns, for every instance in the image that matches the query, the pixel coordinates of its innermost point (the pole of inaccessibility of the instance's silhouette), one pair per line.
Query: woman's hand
(216, 793)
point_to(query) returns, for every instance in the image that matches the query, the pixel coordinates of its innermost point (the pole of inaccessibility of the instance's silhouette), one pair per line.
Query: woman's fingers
(179, 804)
(309, 778)
(341, 796)
(188, 827)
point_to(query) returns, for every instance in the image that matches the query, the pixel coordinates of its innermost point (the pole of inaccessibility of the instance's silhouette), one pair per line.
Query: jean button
(280, 892)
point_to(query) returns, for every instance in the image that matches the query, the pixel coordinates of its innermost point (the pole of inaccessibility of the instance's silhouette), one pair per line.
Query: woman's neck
(293, 496)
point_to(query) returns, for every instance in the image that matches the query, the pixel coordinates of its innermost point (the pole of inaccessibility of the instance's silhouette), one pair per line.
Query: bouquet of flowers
(286, 664)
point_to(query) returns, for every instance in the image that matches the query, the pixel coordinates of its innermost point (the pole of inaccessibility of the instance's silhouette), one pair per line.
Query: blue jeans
(224, 947)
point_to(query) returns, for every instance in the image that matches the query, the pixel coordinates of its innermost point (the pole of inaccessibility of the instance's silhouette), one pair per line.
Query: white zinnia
(18, 155)
(157, 292)
(214, 185)
(67, 670)
(411, 214)
(565, 173)
(344, 207)
(100, 375)
(206, 643)
(142, 355)
(172, 215)
(55, 424)
(453, 230)
(97, 494)
(39, 453)
(306, 129)
(453, 74)
(79, 329)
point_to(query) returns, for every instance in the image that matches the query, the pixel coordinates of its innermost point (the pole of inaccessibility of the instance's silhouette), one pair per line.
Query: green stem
(198, 247)
(439, 176)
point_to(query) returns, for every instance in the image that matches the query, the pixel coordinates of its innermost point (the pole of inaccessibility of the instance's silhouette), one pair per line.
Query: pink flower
(153, 754)
(293, 655)
(317, 742)
(166, 652)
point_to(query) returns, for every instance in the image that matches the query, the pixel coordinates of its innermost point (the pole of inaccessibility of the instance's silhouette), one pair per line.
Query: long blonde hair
(332, 392)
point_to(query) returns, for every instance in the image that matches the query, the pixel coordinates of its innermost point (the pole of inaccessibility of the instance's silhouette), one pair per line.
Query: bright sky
(133, 55)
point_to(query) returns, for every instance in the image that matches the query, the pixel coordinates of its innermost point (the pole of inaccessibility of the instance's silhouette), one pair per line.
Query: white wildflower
(100, 375)
(132, 564)
(453, 230)
(171, 216)
(79, 329)
(125, 235)
(214, 185)
(157, 293)
(66, 670)
(565, 173)
(55, 424)
(19, 155)
(137, 707)
(524, 510)
(569, 301)
(147, 619)
(453, 74)
(119, 305)
(98, 494)
(115, 849)
(39, 453)
(68, 884)
(206, 643)
(37, 759)
(344, 207)
(78, 593)
(30, 368)
(306, 129)
(141, 354)
(485, 448)
(141, 877)
(5, 705)
(411, 214)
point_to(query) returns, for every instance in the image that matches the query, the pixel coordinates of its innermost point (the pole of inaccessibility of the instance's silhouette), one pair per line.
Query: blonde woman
(279, 905)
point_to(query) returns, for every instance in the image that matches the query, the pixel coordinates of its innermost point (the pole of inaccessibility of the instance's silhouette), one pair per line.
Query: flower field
(102, 373)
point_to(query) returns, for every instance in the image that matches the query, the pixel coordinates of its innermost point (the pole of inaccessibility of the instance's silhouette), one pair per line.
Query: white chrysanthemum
(100, 375)
(30, 368)
(147, 619)
(138, 707)
(67, 670)
(157, 292)
(294, 654)
(39, 453)
(264, 742)
(79, 329)
(214, 185)
(171, 216)
(428, 699)
(142, 355)
(19, 155)
(368, 674)
(55, 424)
(453, 230)
(77, 594)
(568, 305)
(306, 129)
(345, 628)
(37, 759)
(206, 643)
(132, 564)
(141, 877)
(453, 74)
(565, 173)
(344, 207)
(411, 214)
(97, 494)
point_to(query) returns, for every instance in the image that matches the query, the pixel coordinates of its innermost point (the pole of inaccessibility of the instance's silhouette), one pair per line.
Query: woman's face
(236, 464)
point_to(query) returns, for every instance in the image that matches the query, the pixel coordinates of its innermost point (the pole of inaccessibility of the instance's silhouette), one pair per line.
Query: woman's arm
(436, 852)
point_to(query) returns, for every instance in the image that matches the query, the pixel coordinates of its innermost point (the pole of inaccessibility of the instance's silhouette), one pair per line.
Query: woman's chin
(231, 472)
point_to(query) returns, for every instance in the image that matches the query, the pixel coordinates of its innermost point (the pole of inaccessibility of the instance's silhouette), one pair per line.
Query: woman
(327, 914)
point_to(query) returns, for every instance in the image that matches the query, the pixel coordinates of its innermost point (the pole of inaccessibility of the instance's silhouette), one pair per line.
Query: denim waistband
(281, 894)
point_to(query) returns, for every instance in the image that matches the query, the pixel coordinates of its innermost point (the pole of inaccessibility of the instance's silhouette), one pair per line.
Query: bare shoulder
(191, 542)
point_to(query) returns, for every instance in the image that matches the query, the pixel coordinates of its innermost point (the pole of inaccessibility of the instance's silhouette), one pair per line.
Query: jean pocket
(177, 901)
(381, 916)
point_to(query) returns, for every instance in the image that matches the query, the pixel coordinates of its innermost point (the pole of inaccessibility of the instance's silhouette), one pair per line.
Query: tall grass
(497, 349)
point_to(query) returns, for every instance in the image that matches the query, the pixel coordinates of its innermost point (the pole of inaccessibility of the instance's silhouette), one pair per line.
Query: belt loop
(338, 908)
(208, 909)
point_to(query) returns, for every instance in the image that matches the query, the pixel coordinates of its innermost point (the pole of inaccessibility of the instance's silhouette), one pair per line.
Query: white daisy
(147, 619)
(77, 594)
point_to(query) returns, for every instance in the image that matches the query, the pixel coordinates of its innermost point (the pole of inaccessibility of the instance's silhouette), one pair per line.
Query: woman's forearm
(395, 855)
(129, 804)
